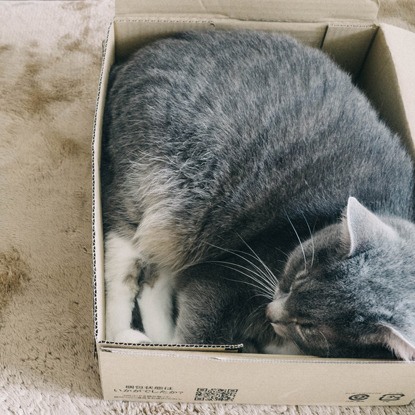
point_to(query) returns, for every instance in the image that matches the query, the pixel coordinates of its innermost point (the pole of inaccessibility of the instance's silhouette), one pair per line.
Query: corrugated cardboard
(264, 10)
(388, 79)
(254, 379)
(380, 60)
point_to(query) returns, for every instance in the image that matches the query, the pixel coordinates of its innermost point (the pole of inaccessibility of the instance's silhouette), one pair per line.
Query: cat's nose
(275, 310)
(268, 312)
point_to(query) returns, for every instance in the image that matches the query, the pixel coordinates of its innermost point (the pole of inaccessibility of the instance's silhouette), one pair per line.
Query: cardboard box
(382, 61)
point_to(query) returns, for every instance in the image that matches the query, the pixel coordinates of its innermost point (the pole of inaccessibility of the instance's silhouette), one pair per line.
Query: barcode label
(219, 395)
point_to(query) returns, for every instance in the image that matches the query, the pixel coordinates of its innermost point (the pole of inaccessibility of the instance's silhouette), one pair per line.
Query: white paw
(131, 336)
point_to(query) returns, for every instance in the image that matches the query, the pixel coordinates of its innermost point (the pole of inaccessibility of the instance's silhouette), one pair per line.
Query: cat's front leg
(155, 304)
(122, 265)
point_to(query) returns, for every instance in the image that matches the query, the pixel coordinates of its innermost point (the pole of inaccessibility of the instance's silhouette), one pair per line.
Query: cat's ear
(362, 228)
(395, 341)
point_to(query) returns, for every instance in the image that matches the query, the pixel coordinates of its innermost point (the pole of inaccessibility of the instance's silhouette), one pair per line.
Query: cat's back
(240, 129)
(219, 88)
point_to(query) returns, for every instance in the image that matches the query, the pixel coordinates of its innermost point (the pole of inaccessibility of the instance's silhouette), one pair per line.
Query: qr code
(219, 395)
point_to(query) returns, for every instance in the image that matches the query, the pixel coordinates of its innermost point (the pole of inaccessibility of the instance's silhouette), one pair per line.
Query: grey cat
(252, 195)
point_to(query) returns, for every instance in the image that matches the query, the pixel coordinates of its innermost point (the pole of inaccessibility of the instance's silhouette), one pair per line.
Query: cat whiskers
(260, 310)
(326, 341)
(271, 276)
(265, 281)
(312, 241)
(299, 240)
(282, 253)
(262, 288)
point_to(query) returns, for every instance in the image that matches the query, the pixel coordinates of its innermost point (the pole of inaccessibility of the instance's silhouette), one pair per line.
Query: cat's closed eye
(300, 279)
(304, 325)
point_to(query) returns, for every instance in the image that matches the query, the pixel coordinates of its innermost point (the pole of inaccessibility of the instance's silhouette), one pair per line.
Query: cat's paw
(131, 336)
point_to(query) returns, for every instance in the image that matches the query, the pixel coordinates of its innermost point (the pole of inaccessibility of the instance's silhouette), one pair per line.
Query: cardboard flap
(265, 10)
(348, 45)
(388, 79)
(154, 375)
(132, 348)
(401, 45)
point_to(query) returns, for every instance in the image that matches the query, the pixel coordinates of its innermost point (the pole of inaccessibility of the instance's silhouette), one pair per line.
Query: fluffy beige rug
(50, 54)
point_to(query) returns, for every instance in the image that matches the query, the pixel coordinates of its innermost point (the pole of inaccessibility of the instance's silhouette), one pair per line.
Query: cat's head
(350, 290)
